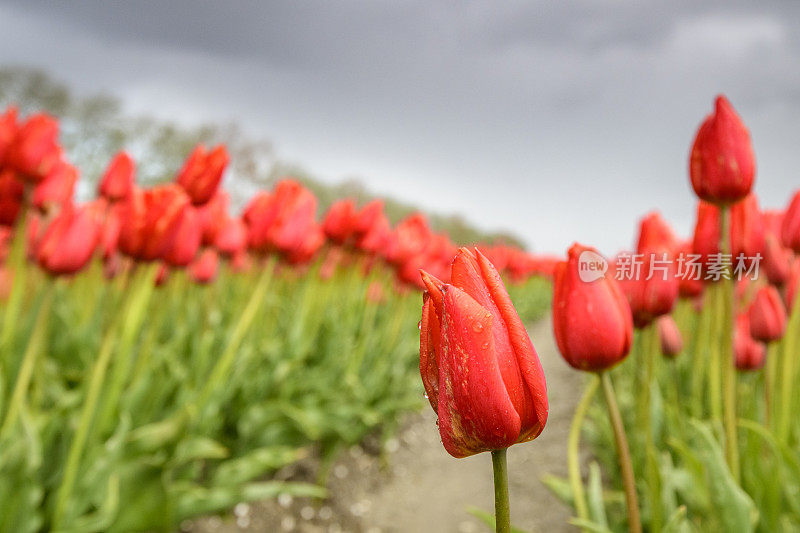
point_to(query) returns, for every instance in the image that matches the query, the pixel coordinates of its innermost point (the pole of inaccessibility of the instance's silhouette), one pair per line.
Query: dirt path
(423, 489)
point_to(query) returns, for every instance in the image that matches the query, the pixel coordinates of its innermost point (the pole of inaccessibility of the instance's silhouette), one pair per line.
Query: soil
(416, 487)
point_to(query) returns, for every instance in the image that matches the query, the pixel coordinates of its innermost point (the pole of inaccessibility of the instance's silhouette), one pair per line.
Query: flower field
(163, 354)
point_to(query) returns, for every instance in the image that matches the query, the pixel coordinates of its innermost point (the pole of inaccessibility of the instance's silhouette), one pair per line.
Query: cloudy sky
(558, 121)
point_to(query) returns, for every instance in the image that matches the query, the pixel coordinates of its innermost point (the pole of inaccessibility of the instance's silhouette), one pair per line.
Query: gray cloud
(559, 121)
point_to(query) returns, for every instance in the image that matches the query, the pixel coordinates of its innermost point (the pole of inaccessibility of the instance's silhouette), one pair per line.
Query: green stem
(715, 358)
(502, 511)
(28, 363)
(135, 296)
(573, 460)
(700, 360)
(770, 373)
(726, 347)
(652, 352)
(787, 374)
(624, 454)
(17, 262)
(220, 370)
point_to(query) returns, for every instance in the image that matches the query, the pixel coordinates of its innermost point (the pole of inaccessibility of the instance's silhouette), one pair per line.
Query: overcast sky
(559, 122)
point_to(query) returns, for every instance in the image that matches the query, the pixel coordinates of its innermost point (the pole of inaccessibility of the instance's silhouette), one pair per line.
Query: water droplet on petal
(477, 326)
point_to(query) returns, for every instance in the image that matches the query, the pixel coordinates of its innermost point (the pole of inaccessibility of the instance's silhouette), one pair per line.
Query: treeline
(95, 127)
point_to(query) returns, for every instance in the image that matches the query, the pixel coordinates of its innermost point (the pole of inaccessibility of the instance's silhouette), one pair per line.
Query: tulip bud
(69, 240)
(654, 292)
(655, 235)
(118, 179)
(767, 315)
(722, 163)
(480, 371)
(748, 352)
(592, 320)
(202, 172)
(670, 336)
(790, 229)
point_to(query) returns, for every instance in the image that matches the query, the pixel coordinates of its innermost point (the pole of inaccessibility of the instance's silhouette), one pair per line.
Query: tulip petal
(429, 337)
(475, 411)
(527, 358)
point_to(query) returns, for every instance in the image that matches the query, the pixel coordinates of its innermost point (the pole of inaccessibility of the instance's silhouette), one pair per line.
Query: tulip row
(131, 405)
(692, 444)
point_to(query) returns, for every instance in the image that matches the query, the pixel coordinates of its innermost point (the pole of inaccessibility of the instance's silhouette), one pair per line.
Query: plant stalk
(573, 459)
(502, 511)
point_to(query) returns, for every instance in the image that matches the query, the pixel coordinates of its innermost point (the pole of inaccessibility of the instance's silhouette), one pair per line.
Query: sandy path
(421, 489)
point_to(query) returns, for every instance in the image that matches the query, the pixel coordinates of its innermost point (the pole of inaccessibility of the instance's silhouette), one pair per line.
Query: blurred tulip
(748, 352)
(412, 237)
(12, 194)
(204, 268)
(656, 236)
(202, 172)
(792, 286)
(213, 215)
(722, 163)
(57, 188)
(654, 291)
(150, 219)
(592, 320)
(790, 229)
(185, 242)
(777, 260)
(109, 237)
(232, 237)
(480, 371)
(118, 179)
(670, 336)
(339, 221)
(284, 221)
(767, 315)
(34, 152)
(69, 240)
(8, 130)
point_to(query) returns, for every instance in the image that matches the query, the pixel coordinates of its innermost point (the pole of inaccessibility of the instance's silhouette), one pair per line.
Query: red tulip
(8, 129)
(722, 164)
(69, 240)
(792, 286)
(339, 222)
(748, 352)
(12, 194)
(186, 239)
(412, 237)
(232, 237)
(35, 151)
(284, 221)
(109, 237)
(118, 179)
(480, 371)
(213, 215)
(653, 297)
(767, 315)
(367, 217)
(374, 240)
(150, 220)
(790, 229)
(202, 172)
(777, 260)
(670, 336)
(57, 188)
(592, 320)
(204, 268)
(656, 236)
